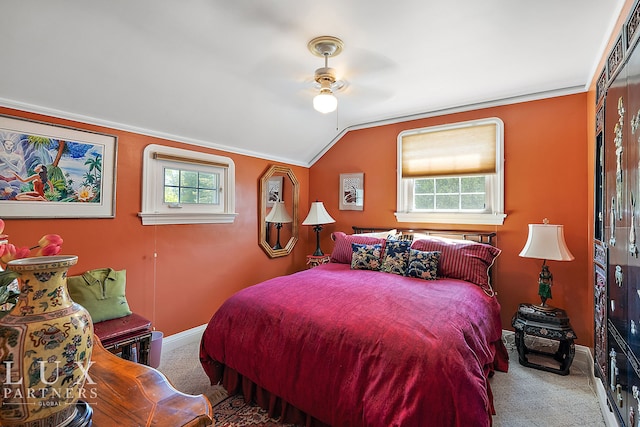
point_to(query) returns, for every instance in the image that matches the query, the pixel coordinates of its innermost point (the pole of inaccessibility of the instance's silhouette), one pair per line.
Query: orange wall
(197, 266)
(546, 176)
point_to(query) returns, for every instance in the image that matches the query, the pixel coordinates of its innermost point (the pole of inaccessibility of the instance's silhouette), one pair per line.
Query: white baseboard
(183, 338)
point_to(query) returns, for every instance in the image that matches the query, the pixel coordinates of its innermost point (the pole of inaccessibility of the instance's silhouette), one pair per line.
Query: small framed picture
(351, 191)
(274, 190)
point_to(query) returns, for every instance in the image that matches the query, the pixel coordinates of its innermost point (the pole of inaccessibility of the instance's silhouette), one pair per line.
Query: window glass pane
(188, 195)
(473, 184)
(207, 180)
(448, 202)
(472, 201)
(189, 179)
(423, 186)
(424, 201)
(171, 195)
(171, 176)
(448, 185)
(207, 196)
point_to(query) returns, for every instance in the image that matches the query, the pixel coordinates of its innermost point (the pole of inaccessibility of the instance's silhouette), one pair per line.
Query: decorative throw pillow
(391, 234)
(365, 257)
(423, 264)
(342, 245)
(461, 259)
(101, 292)
(396, 255)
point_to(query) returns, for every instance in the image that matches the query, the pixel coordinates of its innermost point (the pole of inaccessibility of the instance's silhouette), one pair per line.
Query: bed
(399, 329)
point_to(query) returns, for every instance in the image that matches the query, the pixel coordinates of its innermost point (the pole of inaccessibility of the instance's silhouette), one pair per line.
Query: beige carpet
(523, 396)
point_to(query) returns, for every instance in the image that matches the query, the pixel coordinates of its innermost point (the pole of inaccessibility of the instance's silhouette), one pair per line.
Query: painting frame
(351, 191)
(275, 187)
(30, 148)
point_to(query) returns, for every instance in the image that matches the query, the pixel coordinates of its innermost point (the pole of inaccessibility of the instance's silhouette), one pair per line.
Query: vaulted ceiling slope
(237, 75)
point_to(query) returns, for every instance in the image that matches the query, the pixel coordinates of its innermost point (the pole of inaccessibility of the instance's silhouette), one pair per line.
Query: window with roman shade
(452, 173)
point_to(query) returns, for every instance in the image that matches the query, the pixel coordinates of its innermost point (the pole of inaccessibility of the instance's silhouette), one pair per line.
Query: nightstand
(314, 261)
(550, 324)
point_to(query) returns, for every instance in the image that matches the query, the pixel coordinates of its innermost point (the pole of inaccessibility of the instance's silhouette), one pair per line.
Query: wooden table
(129, 394)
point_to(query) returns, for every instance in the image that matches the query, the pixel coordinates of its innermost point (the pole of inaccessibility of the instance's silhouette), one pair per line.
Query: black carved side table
(549, 323)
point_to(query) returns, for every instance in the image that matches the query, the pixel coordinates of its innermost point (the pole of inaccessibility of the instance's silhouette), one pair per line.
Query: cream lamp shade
(318, 215)
(278, 214)
(546, 241)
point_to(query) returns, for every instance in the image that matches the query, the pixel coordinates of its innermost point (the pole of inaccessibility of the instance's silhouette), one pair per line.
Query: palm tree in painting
(63, 190)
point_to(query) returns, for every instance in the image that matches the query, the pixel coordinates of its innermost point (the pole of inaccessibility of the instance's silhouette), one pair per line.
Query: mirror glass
(279, 192)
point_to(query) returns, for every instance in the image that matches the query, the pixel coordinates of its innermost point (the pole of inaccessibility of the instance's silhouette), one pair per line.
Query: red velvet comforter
(363, 348)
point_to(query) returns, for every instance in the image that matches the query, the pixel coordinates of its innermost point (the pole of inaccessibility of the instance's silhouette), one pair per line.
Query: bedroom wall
(197, 266)
(546, 176)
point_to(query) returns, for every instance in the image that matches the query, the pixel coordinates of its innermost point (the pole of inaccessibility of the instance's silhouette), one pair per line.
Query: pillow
(423, 264)
(342, 249)
(381, 234)
(396, 255)
(101, 292)
(461, 259)
(365, 257)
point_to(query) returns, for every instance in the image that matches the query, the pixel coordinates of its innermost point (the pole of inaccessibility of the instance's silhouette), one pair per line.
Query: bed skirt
(276, 407)
(281, 410)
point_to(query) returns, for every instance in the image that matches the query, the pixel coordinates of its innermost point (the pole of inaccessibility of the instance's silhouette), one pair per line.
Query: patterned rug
(234, 412)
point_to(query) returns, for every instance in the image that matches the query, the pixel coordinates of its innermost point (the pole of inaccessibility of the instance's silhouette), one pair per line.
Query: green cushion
(101, 292)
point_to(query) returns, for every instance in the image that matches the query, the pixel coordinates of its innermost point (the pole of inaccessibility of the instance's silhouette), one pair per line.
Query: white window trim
(492, 218)
(152, 178)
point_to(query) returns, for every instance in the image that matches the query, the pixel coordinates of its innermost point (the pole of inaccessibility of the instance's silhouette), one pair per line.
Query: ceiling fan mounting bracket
(325, 46)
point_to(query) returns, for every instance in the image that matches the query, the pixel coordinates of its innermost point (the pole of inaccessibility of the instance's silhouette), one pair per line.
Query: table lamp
(318, 216)
(278, 215)
(546, 242)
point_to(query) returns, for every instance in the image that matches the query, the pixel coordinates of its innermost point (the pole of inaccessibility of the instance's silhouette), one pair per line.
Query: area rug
(234, 412)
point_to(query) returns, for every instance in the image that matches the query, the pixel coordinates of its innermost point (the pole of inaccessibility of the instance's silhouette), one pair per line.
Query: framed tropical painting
(51, 171)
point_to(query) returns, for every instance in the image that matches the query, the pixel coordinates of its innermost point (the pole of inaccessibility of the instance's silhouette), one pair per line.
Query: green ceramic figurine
(544, 284)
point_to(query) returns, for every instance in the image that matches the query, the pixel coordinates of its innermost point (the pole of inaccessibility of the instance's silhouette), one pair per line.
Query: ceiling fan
(325, 77)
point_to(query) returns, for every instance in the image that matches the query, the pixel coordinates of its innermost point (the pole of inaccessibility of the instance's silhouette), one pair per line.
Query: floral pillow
(396, 255)
(342, 250)
(423, 264)
(365, 257)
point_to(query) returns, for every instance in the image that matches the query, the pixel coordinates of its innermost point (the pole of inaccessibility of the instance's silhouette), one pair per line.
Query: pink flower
(10, 252)
(50, 244)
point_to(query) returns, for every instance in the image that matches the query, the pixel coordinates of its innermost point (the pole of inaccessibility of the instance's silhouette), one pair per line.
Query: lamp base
(544, 307)
(317, 229)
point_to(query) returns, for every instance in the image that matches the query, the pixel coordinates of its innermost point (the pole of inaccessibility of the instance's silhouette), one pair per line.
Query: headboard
(476, 236)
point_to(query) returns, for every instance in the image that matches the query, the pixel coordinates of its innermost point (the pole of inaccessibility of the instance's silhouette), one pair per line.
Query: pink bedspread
(364, 348)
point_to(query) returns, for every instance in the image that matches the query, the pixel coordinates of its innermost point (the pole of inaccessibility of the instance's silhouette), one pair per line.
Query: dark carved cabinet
(616, 263)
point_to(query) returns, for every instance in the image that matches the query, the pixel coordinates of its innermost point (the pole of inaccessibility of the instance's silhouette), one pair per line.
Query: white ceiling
(237, 75)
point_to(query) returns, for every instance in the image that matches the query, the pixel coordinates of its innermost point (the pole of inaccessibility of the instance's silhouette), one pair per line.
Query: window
(186, 187)
(452, 173)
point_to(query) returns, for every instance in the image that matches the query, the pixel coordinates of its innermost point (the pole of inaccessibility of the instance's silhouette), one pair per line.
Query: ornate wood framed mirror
(278, 211)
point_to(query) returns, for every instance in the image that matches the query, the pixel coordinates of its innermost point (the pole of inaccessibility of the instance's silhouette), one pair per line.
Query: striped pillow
(342, 250)
(461, 259)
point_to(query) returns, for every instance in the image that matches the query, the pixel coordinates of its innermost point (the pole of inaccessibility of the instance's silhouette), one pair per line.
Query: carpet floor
(522, 396)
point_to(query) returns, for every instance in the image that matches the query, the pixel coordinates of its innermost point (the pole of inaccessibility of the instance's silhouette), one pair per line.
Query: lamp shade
(325, 102)
(278, 214)
(546, 241)
(318, 215)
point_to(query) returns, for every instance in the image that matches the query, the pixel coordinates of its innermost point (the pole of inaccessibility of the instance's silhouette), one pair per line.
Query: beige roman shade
(468, 150)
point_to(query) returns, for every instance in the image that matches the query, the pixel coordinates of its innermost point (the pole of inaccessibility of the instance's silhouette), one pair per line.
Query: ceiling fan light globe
(325, 102)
